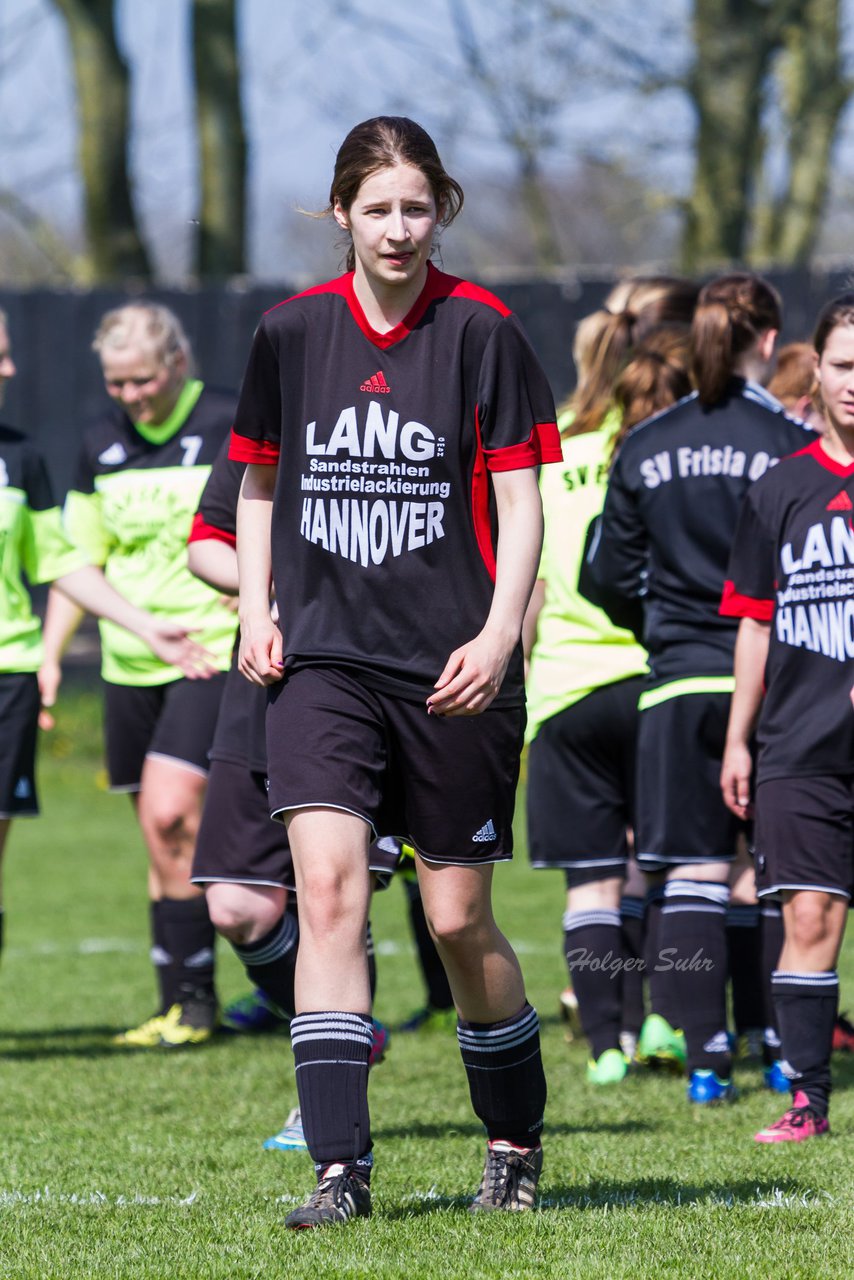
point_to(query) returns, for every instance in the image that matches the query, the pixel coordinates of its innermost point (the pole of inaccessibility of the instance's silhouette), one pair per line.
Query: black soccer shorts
(446, 785)
(805, 834)
(173, 721)
(581, 784)
(19, 717)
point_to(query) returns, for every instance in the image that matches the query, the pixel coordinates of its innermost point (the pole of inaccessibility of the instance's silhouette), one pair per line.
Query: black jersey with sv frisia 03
(385, 442)
(670, 511)
(792, 565)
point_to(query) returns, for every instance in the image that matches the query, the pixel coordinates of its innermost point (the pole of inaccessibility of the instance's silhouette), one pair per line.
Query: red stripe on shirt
(735, 605)
(816, 450)
(542, 445)
(243, 449)
(201, 531)
(480, 505)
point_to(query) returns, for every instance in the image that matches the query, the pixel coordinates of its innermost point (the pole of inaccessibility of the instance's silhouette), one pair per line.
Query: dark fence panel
(58, 386)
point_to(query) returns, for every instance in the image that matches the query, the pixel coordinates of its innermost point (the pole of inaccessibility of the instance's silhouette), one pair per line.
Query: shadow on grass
(648, 1193)
(79, 1042)
(417, 1129)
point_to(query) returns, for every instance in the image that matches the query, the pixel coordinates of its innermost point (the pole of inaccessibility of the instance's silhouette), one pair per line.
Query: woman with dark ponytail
(671, 508)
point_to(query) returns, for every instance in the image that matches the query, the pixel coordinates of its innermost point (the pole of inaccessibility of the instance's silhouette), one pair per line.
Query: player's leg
(684, 827)
(633, 926)
(19, 710)
(243, 861)
(157, 749)
(331, 1033)
(804, 853)
(580, 780)
(744, 957)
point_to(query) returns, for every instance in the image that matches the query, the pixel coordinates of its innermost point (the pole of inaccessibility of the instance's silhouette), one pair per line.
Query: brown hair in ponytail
(656, 376)
(604, 340)
(732, 313)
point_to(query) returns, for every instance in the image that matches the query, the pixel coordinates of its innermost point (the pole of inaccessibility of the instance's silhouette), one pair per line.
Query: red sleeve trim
(542, 445)
(242, 449)
(735, 605)
(201, 531)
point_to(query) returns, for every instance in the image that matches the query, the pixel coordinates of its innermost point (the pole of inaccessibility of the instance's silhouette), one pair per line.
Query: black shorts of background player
(586, 672)
(789, 582)
(374, 494)
(671, 507)
(142, 465)
(36, 549)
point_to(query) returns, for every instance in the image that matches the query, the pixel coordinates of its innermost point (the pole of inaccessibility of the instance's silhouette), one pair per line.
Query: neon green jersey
(32, 545)
(131, 508)
(578, 649)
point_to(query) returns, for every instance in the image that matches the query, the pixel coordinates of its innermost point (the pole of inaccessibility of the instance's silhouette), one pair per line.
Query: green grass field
(150, 1164)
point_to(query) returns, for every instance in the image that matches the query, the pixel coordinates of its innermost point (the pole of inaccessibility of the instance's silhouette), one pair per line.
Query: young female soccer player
(34, 546)
(789, 583)
(392, 420)
(142, 467)
(667, 524)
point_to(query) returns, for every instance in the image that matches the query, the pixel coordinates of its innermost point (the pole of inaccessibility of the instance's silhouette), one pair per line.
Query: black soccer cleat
(339, 1196)
(510, 1177)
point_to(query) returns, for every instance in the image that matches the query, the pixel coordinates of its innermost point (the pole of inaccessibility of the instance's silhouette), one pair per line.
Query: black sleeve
(37, 484)
(218, 503)
(624, 611)
(258, 423)
(619, 547)
(752, 573)
(516, 413)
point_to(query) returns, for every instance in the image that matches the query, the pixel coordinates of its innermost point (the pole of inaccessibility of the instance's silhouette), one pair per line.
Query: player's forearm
(751, 655)
(520, 540)
(254, 552)
(62, 618)
(532, 616)
(215, 563)
(87, 590)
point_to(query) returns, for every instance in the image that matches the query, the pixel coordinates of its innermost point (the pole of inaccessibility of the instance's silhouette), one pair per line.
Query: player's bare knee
(810, 924)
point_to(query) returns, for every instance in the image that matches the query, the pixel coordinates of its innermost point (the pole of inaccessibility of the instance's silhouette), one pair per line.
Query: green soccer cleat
(609, 1068)
(660, 1045)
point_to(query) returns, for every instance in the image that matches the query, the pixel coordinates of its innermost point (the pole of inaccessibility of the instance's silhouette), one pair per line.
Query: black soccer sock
(632, 912)
(505, 1074)
(773, 933)
(593, 946)
(183, 951)
(270, 962)
(435, 979)
(658, 975)
(744, 952)
(372, 962)
(331, 1052)
(807, 1005)
(692, 940)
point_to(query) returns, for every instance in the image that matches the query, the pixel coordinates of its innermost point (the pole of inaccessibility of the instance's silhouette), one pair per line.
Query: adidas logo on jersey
(376, 384)
(486, 833)
(840, 503)
(112, 456)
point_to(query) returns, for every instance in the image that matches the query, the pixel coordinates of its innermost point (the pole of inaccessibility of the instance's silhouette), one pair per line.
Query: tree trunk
(222, 141)
(116, 249)
(815, 91)
(734, 42)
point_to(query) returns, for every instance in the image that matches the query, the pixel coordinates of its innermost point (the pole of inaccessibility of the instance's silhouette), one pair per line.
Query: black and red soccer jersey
(383, 521)
(670, 512)
(240, 734)
(792, 565)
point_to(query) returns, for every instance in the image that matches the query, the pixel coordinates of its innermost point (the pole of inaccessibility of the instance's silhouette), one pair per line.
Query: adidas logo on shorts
(486, 833)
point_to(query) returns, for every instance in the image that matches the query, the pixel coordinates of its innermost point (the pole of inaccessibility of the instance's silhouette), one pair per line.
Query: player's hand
(260, 654)
(736, 772)
(49, 678)
(172, 643)
(472, 677)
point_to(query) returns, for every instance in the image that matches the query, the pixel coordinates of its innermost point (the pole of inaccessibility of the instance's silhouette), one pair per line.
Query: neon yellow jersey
(131, 509)
(578, 648)
(32, 545)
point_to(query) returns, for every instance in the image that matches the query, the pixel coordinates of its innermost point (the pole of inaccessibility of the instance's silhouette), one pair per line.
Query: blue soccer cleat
(706, 1088)
(290, 1137)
